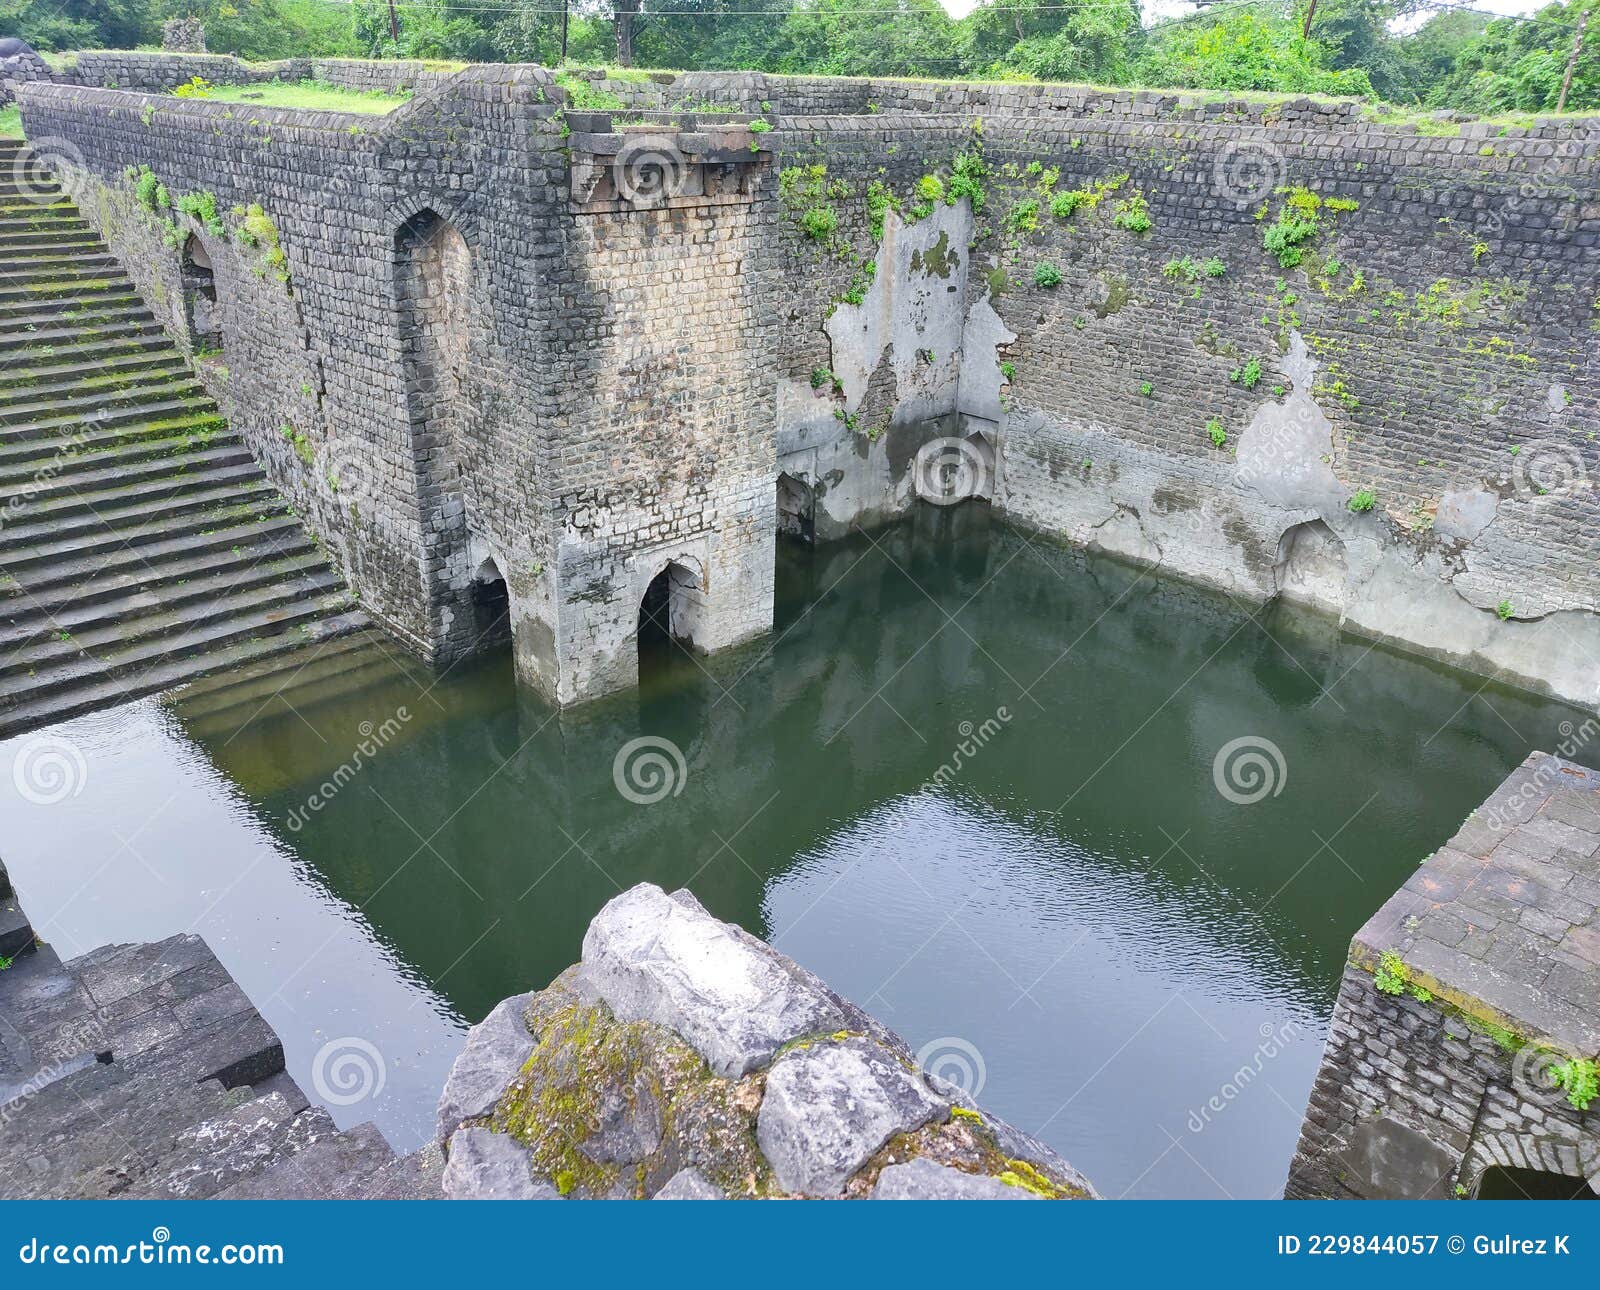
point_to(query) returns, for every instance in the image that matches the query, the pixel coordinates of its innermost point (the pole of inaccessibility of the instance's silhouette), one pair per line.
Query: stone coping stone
(1503, 921)
(655, 957)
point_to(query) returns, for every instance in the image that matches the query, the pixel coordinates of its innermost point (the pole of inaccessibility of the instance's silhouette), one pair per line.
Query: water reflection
(1075, 901)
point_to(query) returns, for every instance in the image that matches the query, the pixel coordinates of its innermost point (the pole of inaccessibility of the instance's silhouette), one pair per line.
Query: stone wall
(1406, 416)
(683, 1059)
(1466, 994)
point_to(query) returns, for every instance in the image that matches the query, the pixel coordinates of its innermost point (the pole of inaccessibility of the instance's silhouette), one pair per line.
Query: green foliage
(1133, 214)
(880, 201)
(1362, 500)
(760, 126)
(968, 172)
(1504, 610)
(1046, 274)
(196, 87)
(1248, 374)
(1065, 205)
(1023, 218)
(587, 95)
(803, 190)
(1146, 389)
(1391, 975)
(1581, 1078)
(1237, 48)
(1215, 432)
(202, 205)
(300, 441)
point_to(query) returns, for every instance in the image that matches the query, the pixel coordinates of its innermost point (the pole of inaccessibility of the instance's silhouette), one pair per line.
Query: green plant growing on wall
(1247, 375)
(1214, 268)
(1147, 389)
(254, 228)
(1362, 500)
(967, 173)
(1046, 275)
(1391, 975)
(1008, 370)
(1580, 1077)
(1065, 205)
(587, 96)
(1023, 218)
(202, 205)
(804, 192)
(300, 441)
(1504, 610)
(1133, 214)
(880, 201)
(196, 87)
(1215, 432)
(1300, 219)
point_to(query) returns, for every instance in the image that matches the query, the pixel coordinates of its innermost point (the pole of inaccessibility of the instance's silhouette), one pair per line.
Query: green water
(1135, 967)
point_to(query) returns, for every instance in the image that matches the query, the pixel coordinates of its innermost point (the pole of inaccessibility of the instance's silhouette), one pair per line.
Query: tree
(1243, 49)
(1091, 40)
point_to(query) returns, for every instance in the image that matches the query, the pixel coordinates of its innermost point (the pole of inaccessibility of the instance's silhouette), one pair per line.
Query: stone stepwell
(140, 544)
(143, 1072)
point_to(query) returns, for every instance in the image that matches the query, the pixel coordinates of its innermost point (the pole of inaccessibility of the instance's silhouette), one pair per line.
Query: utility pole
(1572, 63)
(1305, 27)
(564, 8)
(394, 24)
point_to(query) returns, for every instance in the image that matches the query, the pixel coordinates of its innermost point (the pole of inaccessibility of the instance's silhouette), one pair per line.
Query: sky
(1154, 9)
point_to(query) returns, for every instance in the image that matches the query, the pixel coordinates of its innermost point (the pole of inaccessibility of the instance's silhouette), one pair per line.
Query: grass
(316, 96)
(11, 122)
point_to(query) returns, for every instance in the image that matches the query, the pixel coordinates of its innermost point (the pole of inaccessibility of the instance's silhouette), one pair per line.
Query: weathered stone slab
(925, 1180)
(829, 1106)
(495, 1050)
(490, 1166)
(653, 957)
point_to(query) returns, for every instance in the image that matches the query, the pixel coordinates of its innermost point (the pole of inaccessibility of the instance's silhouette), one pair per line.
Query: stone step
(226, 1150)
(70, 477)
(44, 234)
(65, 340)
(176, 553)
(155, 411)
(16, 932)
(221, 698)
(251, 570)
(21, 463)
(311, 682)
(101, 504)
(87, 286)
(118, 386)
(25, 213)
(36, 274)
(338, 1167)
(41, 378)
(132, 528)
(66, 254)
(91, 695)
(159, 634)
(70, 312)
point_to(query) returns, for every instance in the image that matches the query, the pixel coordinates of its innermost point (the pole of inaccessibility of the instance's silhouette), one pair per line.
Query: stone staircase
(143, 1072)
(140, 545)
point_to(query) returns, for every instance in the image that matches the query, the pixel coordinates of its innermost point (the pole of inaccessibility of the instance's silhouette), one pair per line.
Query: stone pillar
(1470, 1009)
(183, 36)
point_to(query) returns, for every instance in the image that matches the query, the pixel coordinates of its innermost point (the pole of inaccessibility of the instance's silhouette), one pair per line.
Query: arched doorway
(797, 509)
(200, 298)
(1511, 1182)
(669, 614)
(491, 608)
